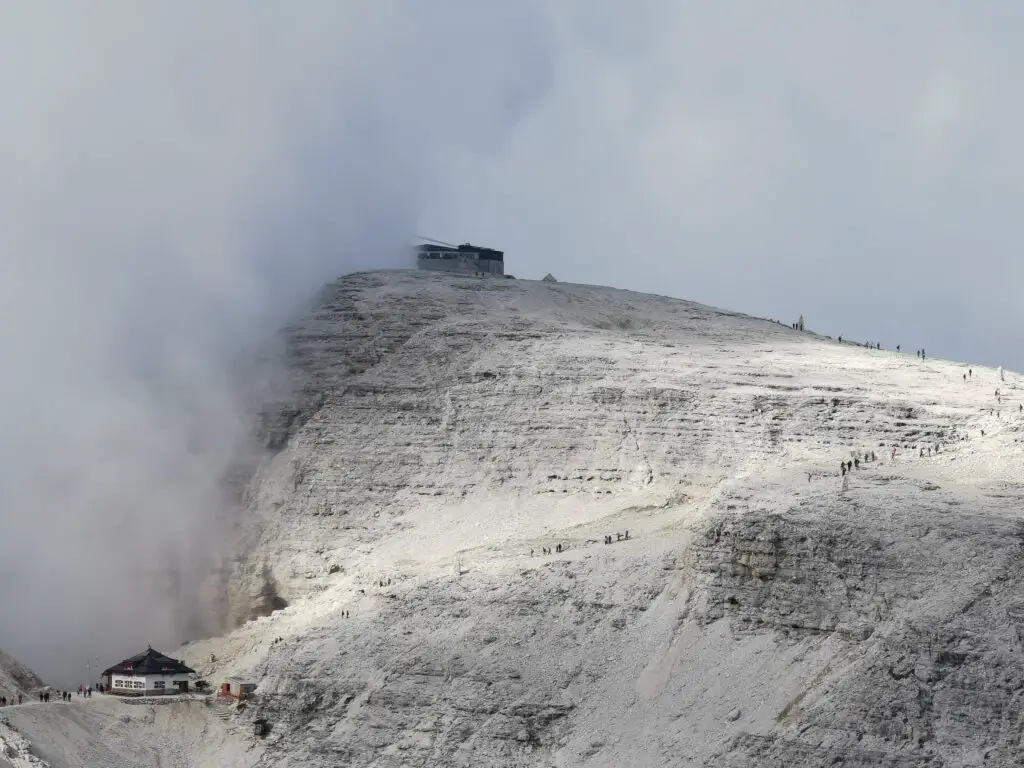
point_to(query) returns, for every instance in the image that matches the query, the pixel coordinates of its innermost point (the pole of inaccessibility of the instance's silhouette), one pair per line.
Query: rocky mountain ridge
(436, 512)
(16, 678)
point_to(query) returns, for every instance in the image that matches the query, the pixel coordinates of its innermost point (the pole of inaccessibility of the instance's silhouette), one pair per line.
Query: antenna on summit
(438, 242)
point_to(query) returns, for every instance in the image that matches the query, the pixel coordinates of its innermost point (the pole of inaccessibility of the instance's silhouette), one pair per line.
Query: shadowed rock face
(928, 602)
(761, 613)
(15, 677)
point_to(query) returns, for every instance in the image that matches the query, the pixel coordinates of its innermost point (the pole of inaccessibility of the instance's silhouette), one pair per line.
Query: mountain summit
(524, 523)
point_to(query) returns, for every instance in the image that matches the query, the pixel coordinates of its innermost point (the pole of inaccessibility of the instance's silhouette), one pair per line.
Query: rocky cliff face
(926, 596)
(15, 677)
(428, 537)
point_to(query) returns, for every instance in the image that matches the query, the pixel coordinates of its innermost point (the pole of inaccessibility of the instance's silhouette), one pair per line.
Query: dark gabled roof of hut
(149, 662)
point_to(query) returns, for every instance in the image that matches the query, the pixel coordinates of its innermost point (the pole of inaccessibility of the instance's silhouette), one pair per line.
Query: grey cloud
(177, 180)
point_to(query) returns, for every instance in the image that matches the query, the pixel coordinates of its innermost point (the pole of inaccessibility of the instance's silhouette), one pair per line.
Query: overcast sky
(177, 177)
(860, 163)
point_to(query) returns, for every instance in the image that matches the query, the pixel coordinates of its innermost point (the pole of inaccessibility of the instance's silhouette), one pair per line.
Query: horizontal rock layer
(436, 506)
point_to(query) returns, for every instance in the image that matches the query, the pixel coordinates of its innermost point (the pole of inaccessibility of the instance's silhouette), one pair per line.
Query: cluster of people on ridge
(849, 466)
(878, 345)
(547, 550)
(619, 536)
(44, 696)
(799, 326)
(936, 447)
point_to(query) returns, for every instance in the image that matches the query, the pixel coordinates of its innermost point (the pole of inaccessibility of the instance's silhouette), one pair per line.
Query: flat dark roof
(489, 254)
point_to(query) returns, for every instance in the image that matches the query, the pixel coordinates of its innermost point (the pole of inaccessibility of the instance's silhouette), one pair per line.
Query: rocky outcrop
(456, 671)
(420, 388)
(926, 596)
(523, 524)
(15, 677)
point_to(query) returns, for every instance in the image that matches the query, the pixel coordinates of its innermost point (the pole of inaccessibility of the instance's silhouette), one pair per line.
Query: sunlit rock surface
(761, 612)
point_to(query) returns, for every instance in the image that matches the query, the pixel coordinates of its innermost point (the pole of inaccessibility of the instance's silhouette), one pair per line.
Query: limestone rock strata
(433, 569)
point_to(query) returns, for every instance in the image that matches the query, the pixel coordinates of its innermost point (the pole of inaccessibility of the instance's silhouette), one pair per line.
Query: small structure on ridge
(236, 688)
(465, 259)
(149, 673)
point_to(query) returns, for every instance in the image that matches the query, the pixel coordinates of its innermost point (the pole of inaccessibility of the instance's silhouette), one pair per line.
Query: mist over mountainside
(435, 519)
(181, 180)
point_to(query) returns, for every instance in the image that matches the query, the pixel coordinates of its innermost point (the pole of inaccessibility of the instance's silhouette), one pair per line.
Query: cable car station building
(465, 259)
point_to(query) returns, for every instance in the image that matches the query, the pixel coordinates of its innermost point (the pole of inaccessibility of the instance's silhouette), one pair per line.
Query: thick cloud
(856, 162)
(177, 178)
